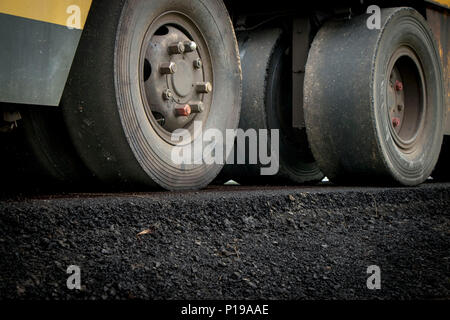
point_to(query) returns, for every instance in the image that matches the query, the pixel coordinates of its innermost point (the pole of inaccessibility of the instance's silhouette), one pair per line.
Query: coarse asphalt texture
(229, 243)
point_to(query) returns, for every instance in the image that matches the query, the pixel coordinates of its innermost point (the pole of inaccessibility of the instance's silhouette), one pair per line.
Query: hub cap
(177, 79)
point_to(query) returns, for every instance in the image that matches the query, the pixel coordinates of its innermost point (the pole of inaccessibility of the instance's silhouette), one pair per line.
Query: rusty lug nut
(190, 46)
(395, 122)
(167, 94)
(197, 107)
(176, 48)
(398, 86)
(183, 111)
(400, 107)
(204, 87)
(198, 63)
(168, 68)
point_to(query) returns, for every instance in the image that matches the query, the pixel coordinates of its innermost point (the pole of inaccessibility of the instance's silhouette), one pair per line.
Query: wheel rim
(406, 99)
(176, 75)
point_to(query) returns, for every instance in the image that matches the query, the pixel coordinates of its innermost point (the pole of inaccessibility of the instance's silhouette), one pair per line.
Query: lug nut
(167, 94)
(198, 63)
(204, 87)
(197, 107)
(400, 107)
(176, 48)
(183, 111)
(395, 122)
(398, 86)
(190, 46)
(168, 68)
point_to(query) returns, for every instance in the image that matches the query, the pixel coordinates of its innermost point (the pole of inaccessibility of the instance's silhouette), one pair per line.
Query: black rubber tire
(345, 106)
(267, 104)
(38, 154)
(49, 141)
(442, 170)
(102, 103)
(20, 171)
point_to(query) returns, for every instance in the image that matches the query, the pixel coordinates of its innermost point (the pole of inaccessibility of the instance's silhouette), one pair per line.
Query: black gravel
(229, 243)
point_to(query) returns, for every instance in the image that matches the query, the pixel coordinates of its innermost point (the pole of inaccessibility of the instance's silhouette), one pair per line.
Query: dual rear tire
(267, 106)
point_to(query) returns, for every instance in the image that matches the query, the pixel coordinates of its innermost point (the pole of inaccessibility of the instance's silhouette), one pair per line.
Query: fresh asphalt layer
(229, 243)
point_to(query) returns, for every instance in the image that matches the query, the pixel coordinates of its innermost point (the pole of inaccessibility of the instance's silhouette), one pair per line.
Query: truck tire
(267, 104)
(125, 98)
(374, 99)
(38, 154)
(49, 143)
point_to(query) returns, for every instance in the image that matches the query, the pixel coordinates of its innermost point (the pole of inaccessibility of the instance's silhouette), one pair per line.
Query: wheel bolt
(197, 107)
(168, 68)
(204, 87)
(398, 86)
(395, 122)
(176, 48)
(198, 63)
(190, 46)
(183, 111)
(400, 107)
(167, 94)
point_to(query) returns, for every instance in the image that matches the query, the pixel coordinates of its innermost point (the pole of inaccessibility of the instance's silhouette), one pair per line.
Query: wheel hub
(178, 81)
(406, 102)
(396, 100)
(183, 80)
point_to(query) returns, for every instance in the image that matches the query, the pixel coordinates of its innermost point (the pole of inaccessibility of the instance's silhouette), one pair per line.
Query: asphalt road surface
(229, 243)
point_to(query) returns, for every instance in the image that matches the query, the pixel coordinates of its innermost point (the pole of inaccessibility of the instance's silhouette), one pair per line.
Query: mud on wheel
(143, 70)
(374, 99)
